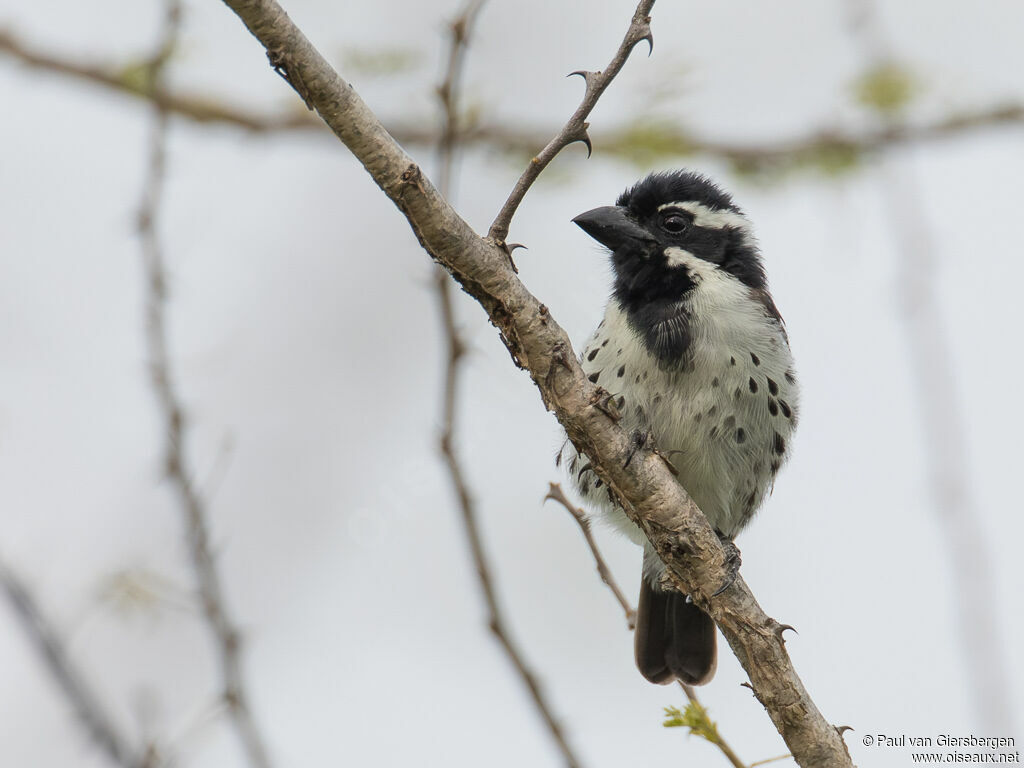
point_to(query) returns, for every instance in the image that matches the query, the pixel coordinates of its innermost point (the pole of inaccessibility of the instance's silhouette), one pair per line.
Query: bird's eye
(674, 223)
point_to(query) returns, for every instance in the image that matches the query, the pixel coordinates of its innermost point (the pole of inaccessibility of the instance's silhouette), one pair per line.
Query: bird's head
(666, 231)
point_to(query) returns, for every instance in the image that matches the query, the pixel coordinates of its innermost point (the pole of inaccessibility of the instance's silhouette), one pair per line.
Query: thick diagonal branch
(640, 480)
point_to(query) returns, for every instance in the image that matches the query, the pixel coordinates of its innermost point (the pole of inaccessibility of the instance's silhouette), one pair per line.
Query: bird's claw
(732, 563)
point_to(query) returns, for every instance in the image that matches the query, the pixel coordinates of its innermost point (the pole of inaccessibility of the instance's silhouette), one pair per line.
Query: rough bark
(637, 475)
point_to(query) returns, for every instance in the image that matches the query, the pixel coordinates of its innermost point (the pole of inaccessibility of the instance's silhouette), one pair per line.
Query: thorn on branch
(508, 248)
(282, 63)
(647, 35)
(841, 729)
(412, 176)
(591, 79)
(583, 137)
(779, 629)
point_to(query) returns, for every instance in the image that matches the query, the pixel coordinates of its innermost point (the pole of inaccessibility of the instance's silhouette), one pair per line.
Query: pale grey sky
(305, 335)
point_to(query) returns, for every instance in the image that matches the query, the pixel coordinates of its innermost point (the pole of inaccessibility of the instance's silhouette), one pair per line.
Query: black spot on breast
(786, 410)
(697, 417)
(779, 444)
(773, 408)
(604, 343)
(752, 384)
(775, 467)
(637, 379)
(585, 486)
(598, 483)
(732, 361)
(773, 387)
(592, 355)
(619, 351)
(751, 499)
(655, 400)
(729, 422)
(741, 436)
(714, 382)
(594, 376)
(621, 402)
(755, 359)
(712, 410)
(790, 377)
(622, 371)
(737, 392)
(713, 433)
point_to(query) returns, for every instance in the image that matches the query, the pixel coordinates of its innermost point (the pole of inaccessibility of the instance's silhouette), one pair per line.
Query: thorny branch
(576, 128)
(448, 93)
(86, 701)
(225, 634)
(639, 480)
(933, 366)
(555, 493)
(825, 145)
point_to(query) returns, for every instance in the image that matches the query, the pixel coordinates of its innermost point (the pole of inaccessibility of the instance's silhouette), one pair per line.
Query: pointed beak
(612, 227)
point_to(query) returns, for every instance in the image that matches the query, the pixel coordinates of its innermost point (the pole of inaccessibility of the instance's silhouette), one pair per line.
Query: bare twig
(211, 592)
(933, 366)
(555, 493)
(448, 94)
(638, 478)
(722, 744)
(822, 146)
(86, 701)
(576, 127)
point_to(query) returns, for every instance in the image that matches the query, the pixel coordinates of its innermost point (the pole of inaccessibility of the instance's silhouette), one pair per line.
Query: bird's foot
(732, 562)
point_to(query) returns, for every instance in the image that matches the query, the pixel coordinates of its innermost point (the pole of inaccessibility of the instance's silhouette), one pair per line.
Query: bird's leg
(732, 562)
(638, 440)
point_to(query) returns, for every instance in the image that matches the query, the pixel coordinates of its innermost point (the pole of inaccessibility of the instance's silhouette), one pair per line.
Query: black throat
(653, 299)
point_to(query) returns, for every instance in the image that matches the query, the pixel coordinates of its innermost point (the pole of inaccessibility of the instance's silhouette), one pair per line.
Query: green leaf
(696, 719)
(886, 88)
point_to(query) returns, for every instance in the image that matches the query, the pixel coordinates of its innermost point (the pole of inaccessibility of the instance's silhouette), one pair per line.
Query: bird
(693, 352)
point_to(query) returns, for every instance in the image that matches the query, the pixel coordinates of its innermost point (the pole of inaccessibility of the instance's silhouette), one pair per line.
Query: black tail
(674, 638)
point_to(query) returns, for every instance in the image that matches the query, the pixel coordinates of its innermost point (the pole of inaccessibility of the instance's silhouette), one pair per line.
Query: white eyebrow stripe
(710, 218)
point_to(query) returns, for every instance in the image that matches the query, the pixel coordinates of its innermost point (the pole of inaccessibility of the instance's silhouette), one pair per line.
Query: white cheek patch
(678, 257)
(710, 218)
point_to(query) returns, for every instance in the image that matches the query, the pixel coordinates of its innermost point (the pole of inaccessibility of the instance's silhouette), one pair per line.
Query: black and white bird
(694, 352)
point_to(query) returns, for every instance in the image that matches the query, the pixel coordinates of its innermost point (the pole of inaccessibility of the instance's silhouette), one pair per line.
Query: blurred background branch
(827, 149)
(224, 632)
(941, 169)
(448, 93)
(73, 683)
(933, 363)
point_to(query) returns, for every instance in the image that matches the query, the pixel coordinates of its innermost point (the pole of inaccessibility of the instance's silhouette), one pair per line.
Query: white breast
(724, 419)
